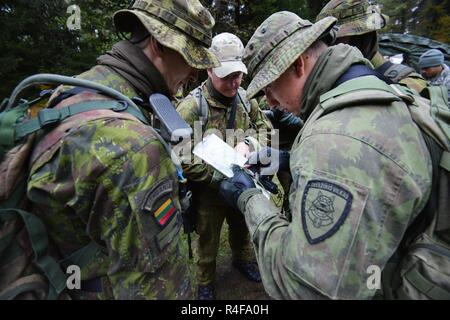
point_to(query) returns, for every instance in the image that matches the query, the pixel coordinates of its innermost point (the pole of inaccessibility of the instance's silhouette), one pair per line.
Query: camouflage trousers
(210, 218)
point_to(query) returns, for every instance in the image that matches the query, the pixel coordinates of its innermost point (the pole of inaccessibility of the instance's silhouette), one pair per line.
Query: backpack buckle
(48, 116)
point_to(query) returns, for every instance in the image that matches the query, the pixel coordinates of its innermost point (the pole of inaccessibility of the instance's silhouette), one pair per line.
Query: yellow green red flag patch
(164, 212)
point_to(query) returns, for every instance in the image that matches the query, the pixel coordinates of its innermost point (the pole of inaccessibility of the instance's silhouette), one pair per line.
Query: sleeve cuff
(256, 208)
(245, 197)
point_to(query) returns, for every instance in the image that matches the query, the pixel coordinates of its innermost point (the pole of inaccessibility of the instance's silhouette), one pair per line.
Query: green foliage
(427, 18)
(242, 17)
(38, 40)
(35, 37)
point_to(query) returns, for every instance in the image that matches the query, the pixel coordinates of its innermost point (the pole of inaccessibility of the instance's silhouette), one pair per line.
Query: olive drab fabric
(184, 26)
(361, 174)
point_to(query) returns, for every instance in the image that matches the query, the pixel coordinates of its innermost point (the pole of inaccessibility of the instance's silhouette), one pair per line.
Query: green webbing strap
(39, 243)
(362, 83)
(425, 286)
(50, 116)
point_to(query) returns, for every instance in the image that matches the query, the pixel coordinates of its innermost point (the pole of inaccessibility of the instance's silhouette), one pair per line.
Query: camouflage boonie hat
(355, 17)
(277, 43)
(184, 26)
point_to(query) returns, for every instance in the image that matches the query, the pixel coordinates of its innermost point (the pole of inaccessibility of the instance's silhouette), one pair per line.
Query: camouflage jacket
(109, 180)
(361, 174)
(413, 80)
(443, 79)
(217, 122)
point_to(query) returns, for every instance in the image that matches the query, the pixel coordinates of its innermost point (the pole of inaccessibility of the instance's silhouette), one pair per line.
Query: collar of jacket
(377, 60)
(330, 66)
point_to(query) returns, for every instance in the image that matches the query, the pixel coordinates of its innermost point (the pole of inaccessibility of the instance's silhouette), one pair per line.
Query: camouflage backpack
(421, 267)
(30, 268)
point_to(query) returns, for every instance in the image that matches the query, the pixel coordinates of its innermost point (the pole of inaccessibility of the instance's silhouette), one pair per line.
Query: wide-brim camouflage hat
(184, 26)
(277, 43)
(355, 17)
(359, 26)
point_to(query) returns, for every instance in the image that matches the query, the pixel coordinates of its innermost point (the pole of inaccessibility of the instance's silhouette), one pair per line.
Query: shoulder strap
(395, 72)
(39, 242)
(203, 107)
(51, 116)
(243, 97)
(362, 90)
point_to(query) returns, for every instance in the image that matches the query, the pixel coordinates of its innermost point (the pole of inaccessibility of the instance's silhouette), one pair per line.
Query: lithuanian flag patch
(165, 212)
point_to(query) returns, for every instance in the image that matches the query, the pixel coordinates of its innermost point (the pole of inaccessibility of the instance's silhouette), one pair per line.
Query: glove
(269, 160)
(232, 188)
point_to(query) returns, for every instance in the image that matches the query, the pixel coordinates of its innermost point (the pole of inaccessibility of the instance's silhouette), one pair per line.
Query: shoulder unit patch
(160, 204)
(325, 207)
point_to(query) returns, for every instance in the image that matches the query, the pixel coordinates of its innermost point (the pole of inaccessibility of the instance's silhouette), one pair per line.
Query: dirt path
(230, 283)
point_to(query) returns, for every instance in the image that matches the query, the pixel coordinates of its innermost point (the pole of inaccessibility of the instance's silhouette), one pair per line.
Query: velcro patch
(160, 204)
(325, 207)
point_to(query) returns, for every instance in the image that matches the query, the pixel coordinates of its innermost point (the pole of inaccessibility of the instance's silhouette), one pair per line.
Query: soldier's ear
(156, 48)
(299, 66)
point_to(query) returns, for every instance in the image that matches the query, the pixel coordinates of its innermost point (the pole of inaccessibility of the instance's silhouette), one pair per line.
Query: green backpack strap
(39, 243)
(362, 90)
(203, 107)
(47, 117)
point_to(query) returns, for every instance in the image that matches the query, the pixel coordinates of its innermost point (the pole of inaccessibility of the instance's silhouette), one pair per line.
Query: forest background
(42, 36)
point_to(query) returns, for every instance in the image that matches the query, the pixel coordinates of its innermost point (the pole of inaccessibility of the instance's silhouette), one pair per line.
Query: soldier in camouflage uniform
(104, 177)
(358, 25)
(361, 169)
(218, 93)
(433, 68)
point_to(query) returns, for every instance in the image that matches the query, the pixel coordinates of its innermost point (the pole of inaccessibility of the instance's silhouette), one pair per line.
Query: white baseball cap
(229, 51)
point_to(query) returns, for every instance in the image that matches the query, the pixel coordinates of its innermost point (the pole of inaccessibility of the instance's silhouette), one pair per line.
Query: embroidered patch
(164, 212)
(160, 204)
(325, 206)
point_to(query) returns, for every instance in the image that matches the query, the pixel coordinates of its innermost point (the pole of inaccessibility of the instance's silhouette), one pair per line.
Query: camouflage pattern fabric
(361, 174)
(264, 64)
(109, 180)
(217, 120)
(184, 26)
(358, 17)
(210, 207)
(443, 79)
(355, 17)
